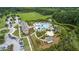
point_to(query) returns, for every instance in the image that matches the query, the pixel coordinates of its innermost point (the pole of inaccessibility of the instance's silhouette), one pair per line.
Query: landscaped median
(16, 33)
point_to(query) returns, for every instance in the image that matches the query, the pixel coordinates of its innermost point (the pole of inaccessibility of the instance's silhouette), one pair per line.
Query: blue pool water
(42, 26)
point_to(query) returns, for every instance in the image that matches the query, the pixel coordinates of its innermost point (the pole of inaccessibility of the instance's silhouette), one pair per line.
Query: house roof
(50, 33)
(49, 39)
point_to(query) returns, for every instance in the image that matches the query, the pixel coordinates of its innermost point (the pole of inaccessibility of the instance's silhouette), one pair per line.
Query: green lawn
(16, 33)
(26, 44)
(2, 34)
(40, 33)
(36, 43)
(32, 16)
(2, 22)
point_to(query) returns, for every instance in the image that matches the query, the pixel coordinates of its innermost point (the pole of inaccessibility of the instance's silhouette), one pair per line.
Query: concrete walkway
(29, 43)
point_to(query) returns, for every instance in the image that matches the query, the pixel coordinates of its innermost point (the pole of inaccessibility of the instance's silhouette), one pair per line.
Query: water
(39, 26)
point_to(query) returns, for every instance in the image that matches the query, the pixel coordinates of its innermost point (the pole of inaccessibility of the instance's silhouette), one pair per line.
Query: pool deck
(40, 26)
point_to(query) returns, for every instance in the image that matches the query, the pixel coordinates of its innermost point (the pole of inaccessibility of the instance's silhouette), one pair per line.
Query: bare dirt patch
(44, 45)
(55, 39)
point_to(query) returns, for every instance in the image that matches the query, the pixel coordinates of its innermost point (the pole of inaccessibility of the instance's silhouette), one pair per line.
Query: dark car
(10, 36)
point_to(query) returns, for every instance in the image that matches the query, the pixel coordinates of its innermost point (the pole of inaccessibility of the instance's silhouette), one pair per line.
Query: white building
(49, 38)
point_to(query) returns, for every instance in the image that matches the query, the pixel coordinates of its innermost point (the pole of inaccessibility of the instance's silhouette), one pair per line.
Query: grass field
(2, 22)
(26, 44)
(36, 42)
(2, 34)
(16, 33)
(32, 16)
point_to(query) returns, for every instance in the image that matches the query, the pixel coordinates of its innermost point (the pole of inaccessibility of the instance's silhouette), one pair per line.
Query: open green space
(26, 44)
(2, 34)
(40, 33)
(32, 16)
(36, 43)
(16, 33)
(1, 39)
(2, 22)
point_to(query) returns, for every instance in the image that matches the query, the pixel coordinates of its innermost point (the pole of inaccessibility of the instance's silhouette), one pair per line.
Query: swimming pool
(40, 26)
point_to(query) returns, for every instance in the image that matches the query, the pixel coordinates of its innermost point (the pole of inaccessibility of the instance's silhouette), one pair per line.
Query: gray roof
(49, 38)
(24, 26)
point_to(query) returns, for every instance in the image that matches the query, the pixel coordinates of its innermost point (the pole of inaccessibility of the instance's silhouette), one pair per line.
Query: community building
(49, 36)
(24, 27)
